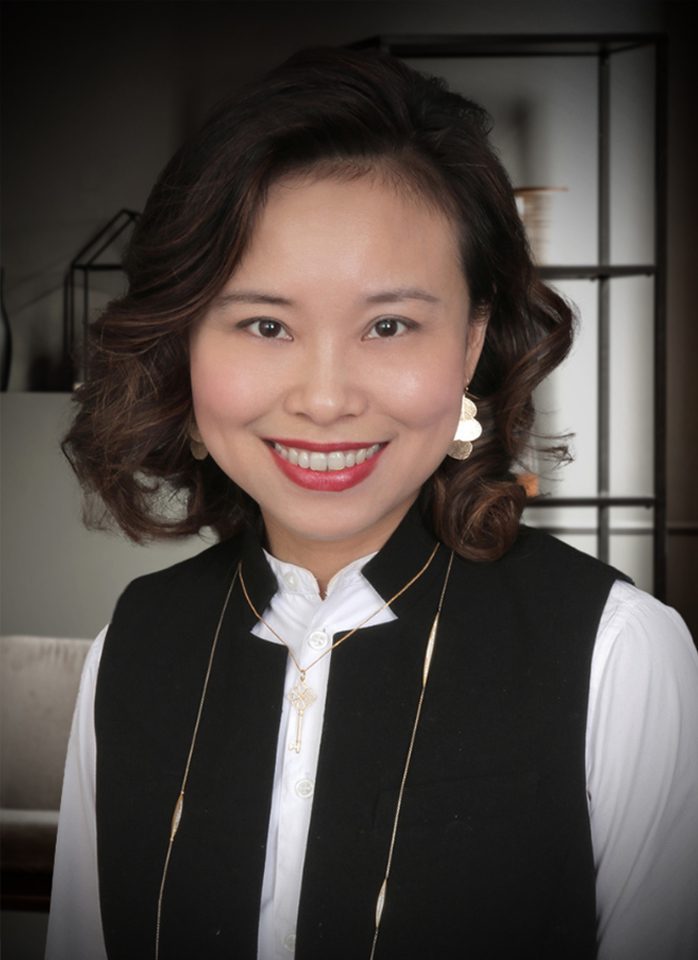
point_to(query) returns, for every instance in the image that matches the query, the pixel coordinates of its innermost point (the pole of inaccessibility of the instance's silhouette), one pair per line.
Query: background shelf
(597, 272)
(610, 155)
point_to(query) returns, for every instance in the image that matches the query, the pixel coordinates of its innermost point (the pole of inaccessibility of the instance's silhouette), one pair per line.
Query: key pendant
(301, 697)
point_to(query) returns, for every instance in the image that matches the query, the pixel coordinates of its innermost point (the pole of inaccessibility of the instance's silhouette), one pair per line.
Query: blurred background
(597, 133)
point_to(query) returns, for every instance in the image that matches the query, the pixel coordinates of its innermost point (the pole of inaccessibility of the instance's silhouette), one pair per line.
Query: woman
(378, 718)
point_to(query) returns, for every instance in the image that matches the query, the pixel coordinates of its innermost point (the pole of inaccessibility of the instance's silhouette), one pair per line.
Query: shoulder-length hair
(328, 112)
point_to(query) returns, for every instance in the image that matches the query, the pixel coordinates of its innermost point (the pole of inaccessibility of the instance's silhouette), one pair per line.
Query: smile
(325, 468)
(322, 462)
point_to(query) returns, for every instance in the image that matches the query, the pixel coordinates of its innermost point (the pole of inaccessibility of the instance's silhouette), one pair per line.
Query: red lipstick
(325, 481)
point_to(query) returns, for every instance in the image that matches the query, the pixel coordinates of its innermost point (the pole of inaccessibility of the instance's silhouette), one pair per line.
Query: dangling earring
(468, 429)
(196, 444)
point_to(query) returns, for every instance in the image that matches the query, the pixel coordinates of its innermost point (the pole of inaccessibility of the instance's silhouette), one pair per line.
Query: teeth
(318, 461)
(322, 462)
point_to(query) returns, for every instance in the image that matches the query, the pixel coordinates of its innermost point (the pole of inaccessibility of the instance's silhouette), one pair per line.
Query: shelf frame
(76, 289)
(597, 271)
(603, 47)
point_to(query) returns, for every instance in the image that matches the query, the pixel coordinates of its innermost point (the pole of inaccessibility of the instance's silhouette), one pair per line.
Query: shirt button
(318, 639)
(290, 942)
(291, 580)
(304, 789)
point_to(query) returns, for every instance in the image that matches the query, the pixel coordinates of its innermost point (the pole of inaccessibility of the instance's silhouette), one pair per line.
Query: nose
(326, 386)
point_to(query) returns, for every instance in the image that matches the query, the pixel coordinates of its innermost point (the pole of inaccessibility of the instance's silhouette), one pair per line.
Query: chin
(335, 522)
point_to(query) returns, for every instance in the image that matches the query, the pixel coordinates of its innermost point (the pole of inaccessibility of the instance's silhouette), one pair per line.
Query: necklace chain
(350, 633)
(428, 654)
(301, 696)
(179, 805)
(431, 643)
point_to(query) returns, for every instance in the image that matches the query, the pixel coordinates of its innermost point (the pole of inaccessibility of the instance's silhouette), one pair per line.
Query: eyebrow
(396, 295)
(402, 293)
(252, 296)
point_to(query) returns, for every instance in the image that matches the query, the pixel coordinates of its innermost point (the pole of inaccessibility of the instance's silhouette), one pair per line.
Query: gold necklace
(179, 805)
(428, 654)
(301, 696)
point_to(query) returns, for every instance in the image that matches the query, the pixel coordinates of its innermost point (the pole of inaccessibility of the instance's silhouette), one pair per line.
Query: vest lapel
(217, 866)
(213, 889)
(374, 687)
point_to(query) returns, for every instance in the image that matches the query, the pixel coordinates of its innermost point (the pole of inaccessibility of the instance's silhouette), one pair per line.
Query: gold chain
(429, 653)
(350, 633)
(179, 805)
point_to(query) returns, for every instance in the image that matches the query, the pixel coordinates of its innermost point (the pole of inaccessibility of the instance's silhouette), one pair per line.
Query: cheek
(207, 390)
(220, 391)
(431, 397)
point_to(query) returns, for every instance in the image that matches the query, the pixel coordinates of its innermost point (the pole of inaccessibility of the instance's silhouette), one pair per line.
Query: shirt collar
(292, 579)
(400, 558)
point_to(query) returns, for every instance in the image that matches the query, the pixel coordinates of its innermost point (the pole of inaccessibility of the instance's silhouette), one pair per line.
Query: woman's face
(327, 376)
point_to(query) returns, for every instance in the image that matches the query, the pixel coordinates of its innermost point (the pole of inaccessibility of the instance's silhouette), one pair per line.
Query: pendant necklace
(301, 696)
(426, 666)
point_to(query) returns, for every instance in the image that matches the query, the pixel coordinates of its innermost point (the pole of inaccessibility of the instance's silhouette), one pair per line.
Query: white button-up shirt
(641, 767)
(308, 625)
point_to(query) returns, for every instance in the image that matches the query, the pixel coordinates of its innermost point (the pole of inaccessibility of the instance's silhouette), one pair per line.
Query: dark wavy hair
(328, 112)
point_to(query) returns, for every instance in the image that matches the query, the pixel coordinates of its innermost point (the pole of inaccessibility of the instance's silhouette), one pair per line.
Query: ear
(194, 432)
(475, 341)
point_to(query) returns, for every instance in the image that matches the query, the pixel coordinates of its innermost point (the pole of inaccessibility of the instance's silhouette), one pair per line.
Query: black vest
(493, 856)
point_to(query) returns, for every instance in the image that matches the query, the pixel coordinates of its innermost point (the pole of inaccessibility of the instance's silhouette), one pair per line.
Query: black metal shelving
(598, 271)
(602, 47)
(76, 288)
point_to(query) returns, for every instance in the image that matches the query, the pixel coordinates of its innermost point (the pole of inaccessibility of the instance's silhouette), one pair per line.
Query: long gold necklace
(301, 696)
(426, 666)
(431, 645)
(179, 805)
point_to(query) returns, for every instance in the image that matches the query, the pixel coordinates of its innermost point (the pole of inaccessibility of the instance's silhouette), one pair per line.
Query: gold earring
(468, 429)
(196, 444)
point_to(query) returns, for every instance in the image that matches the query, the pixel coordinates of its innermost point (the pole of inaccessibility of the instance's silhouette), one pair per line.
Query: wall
(96, 100)
(58, 578)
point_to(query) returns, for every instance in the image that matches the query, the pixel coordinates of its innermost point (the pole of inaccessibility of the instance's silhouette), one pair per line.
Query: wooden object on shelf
(536, 207)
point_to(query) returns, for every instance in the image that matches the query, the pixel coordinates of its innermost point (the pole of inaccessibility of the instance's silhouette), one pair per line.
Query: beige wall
(58, 579)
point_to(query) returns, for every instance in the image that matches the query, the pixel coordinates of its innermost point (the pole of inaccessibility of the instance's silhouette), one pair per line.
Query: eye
(266, 328)
(388, 327)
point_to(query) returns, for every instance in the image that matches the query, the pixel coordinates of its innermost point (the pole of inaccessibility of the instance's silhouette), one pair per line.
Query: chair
(39, 682)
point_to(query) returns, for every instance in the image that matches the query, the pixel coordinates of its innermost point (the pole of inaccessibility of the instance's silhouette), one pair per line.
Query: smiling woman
(380, 718)
(374, 125)
(329, 390)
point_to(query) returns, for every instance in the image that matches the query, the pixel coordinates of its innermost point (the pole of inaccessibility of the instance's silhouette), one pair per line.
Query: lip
(330, 481)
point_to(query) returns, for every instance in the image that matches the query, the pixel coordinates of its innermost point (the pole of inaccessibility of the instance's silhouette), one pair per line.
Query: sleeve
(642, 780)
(75, 926)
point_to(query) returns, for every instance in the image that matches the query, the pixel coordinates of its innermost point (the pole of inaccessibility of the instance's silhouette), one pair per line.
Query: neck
(325, 558)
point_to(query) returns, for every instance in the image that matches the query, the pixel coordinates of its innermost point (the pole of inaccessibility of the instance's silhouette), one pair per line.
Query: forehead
(360, 230)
